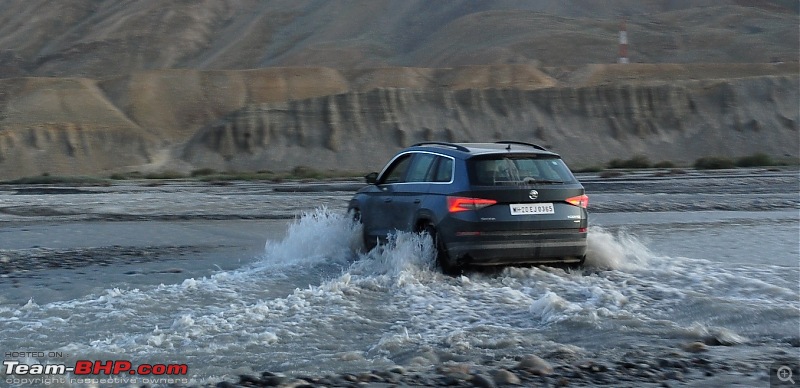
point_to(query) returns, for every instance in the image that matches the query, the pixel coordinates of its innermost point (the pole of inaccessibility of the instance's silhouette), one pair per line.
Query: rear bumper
(562, 247)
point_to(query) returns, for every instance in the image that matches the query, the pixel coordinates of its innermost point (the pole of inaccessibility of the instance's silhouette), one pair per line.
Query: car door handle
(417, 200)
(387, 200)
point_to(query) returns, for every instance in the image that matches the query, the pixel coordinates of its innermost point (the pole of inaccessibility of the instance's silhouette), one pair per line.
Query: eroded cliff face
(130, 123)
(61, 149)
(280, 118)
(678, 121)
(66, 126)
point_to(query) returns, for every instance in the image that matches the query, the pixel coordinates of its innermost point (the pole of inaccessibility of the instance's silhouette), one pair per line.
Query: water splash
(715, 335)
(317, 236)
(404, 255)
(621, 251)
(553, 308)
(323, 235)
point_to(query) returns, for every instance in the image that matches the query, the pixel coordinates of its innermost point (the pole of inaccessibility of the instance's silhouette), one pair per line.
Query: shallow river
(220, 281)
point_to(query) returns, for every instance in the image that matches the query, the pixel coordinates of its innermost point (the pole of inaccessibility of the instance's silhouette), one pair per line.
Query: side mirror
(371, 178)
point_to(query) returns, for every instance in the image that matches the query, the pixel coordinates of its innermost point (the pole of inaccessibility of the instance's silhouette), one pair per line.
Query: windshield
(518, 170)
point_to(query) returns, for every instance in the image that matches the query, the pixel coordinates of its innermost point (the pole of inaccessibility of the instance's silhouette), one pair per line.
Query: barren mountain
(97, 86)
(107, 37)
(671, 121)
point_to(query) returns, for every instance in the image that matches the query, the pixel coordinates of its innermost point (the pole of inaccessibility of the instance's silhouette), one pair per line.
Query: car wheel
(368, 245)
(442, 259)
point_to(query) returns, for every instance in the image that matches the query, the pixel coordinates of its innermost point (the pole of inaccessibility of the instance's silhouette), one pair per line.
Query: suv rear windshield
(515, 170)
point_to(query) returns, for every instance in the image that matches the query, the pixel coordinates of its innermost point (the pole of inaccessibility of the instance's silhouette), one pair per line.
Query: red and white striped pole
(623, 42)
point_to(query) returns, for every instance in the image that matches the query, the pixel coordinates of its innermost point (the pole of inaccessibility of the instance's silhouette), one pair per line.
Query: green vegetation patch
(713, 163)
(589, 169)
(638, 161)
(297, 173)
(47, 179)
(165, 175)
(203, 172)
(756, 160)
(664, 164)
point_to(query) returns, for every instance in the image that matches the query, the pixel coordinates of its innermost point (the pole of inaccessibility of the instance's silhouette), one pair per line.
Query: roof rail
(538, 147)
(442, 143)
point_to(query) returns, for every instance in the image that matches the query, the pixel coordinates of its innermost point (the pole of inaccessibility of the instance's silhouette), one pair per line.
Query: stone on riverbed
(536, 365)
(505, 377)
(695, 347)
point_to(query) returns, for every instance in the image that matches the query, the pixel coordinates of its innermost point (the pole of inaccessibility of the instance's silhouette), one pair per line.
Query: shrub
(713, 163)
(300, 172)
(119, 176)
(638, 161)
(664, 164)
(203, 172)
(164, 175)
(47, 179)
(755, 160)
(305, 172)
(590, 169)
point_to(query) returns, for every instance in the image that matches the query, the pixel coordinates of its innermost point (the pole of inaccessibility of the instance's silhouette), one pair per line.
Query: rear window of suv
(516, 170)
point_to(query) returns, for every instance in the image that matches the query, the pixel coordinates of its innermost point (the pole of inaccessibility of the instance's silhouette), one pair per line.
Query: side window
(397, 171)
(444, 170)
(421, 168)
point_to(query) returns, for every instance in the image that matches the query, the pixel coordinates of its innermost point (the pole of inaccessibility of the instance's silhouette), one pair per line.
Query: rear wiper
(531, 180)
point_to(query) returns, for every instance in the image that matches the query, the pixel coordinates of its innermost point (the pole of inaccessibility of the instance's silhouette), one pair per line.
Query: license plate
(518, 209)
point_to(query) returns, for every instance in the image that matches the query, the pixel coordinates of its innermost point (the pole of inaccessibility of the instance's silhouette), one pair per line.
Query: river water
(222, 281)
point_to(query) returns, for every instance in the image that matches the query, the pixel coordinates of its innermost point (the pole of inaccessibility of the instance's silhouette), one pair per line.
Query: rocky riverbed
(604, 327)
(689, 368)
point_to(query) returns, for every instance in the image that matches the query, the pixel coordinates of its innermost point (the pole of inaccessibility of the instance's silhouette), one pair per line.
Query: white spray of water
(393, 295)
(552, 308)
(621, 251)
(405, 256)
(323, 235)
(722, 335)
(318, 236)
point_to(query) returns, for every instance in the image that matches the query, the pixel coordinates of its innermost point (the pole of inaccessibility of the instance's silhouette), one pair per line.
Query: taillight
(460, 204)
(580, 201)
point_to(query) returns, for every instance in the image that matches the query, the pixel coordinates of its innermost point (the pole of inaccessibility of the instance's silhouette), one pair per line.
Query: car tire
(442, 258)
(368, 245)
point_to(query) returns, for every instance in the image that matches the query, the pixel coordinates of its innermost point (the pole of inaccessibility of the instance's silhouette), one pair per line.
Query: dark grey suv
(482, 203)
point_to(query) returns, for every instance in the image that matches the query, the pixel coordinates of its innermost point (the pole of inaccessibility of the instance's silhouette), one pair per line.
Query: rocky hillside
(102, 86)
(280, 118)
(677, 121)
(100, 38)
(66, 125)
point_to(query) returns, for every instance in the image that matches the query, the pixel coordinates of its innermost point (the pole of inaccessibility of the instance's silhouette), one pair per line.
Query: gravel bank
(697, 363)
(644, 191)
